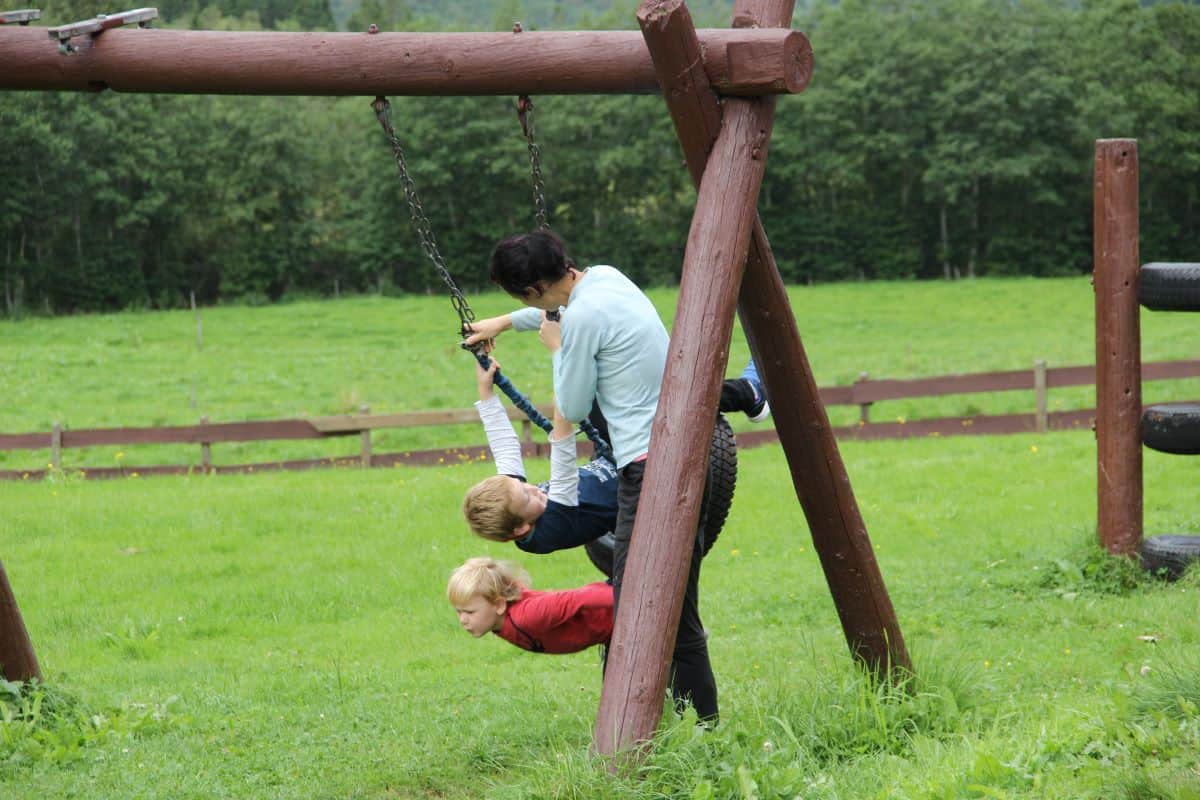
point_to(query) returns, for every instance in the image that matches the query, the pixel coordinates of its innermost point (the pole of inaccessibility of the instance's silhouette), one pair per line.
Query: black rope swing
(721, 477)
(424, 231)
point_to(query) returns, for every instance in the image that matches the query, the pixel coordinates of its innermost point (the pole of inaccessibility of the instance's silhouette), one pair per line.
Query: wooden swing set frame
(720, 88)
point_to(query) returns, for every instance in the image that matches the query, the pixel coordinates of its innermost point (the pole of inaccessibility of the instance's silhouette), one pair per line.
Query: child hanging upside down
(493, 596)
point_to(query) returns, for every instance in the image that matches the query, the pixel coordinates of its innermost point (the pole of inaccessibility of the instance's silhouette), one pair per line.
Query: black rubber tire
(1170, 287)
(1172, 428)
(1170, 555)
(714, 506)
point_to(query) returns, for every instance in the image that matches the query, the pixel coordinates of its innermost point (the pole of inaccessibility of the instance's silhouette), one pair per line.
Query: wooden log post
(56, 436)
(818, 472)
(1041, 401)
(205, 452)
(864, 407)
(1118, 346)
(738, 62)
(365, 440)
(17, 659)
(656, 570)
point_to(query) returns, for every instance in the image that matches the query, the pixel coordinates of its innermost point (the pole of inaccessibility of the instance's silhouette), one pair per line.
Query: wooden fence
(863, 393)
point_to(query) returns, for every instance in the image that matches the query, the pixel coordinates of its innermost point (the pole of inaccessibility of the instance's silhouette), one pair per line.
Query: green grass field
(286, 635)
(401, 354)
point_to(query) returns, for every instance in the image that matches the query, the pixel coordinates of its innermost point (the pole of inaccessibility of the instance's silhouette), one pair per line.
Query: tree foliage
(939, 138)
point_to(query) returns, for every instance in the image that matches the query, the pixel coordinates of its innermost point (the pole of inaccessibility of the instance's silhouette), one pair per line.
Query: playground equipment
(1122, 425)
(719, 88)
(17, 659)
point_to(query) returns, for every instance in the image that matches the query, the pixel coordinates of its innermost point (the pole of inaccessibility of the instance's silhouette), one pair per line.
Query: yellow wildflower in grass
(1033, 448)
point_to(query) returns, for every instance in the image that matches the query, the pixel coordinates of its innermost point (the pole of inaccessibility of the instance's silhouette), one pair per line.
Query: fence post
(56, 446)
(864, 409)
(205, 451)
(1039, 391)
(1115, 277)
(366, 440)
(16, 651)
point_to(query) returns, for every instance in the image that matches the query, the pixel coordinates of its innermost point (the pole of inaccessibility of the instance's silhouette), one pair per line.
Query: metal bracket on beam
(21, 17)
(97, 25)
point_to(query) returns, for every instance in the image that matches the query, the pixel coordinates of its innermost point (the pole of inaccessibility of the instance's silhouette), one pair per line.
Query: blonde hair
(487, 510)
(487, 578)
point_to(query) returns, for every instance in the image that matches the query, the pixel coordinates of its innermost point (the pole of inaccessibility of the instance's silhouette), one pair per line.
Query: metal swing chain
(525, 115)
(424, 229)
(421, 223)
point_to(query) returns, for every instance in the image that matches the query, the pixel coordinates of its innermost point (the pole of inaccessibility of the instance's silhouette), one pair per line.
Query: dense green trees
(939, 138)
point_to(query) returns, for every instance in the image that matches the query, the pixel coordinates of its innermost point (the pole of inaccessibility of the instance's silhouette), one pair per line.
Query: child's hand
(551, 334)
(484, 378)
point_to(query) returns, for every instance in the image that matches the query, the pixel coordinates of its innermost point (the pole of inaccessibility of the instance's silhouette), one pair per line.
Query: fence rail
(862, 393)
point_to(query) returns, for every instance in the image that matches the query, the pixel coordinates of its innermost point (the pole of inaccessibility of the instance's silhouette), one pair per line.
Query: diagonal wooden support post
(656, 570)
(725, 231)
(818, 473)
(17, 660)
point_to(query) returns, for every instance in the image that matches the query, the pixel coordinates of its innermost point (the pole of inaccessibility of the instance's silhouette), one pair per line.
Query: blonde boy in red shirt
(493, 596)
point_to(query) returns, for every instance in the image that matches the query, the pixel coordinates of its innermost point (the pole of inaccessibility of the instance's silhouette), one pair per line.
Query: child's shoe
(760, 409)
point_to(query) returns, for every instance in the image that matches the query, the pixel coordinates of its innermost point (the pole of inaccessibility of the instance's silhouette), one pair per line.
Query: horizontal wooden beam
(738, 62)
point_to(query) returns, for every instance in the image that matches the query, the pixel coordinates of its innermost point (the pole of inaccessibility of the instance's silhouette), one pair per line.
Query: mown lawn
(286, 635)
(401, 354)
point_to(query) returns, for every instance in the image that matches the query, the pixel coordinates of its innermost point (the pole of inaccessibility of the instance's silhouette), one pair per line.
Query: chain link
(525, 114)
(421, 224)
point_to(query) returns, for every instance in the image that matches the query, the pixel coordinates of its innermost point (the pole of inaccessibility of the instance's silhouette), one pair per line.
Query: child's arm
(501, 436)
(564, 472)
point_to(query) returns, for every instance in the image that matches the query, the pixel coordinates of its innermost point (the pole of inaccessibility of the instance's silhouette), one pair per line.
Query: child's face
(480, 617)
(527, 501)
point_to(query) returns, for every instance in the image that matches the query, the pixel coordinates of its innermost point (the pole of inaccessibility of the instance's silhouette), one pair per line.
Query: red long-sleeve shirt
(560, 622)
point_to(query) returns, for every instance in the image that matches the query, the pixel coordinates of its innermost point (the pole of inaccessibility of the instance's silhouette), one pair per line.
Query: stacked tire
(1170, 427)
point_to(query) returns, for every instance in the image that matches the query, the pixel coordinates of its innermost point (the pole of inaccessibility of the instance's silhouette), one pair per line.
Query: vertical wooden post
(365, 437)
(56, 446)
(1039, 391)
(205, 451)
(864, 409)
(1118, 346)
(16, 651)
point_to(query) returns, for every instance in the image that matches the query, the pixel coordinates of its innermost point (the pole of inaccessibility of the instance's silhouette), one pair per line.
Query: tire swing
(1169, 556)
(714, 505)
(1169, 286)
(1171, 428)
